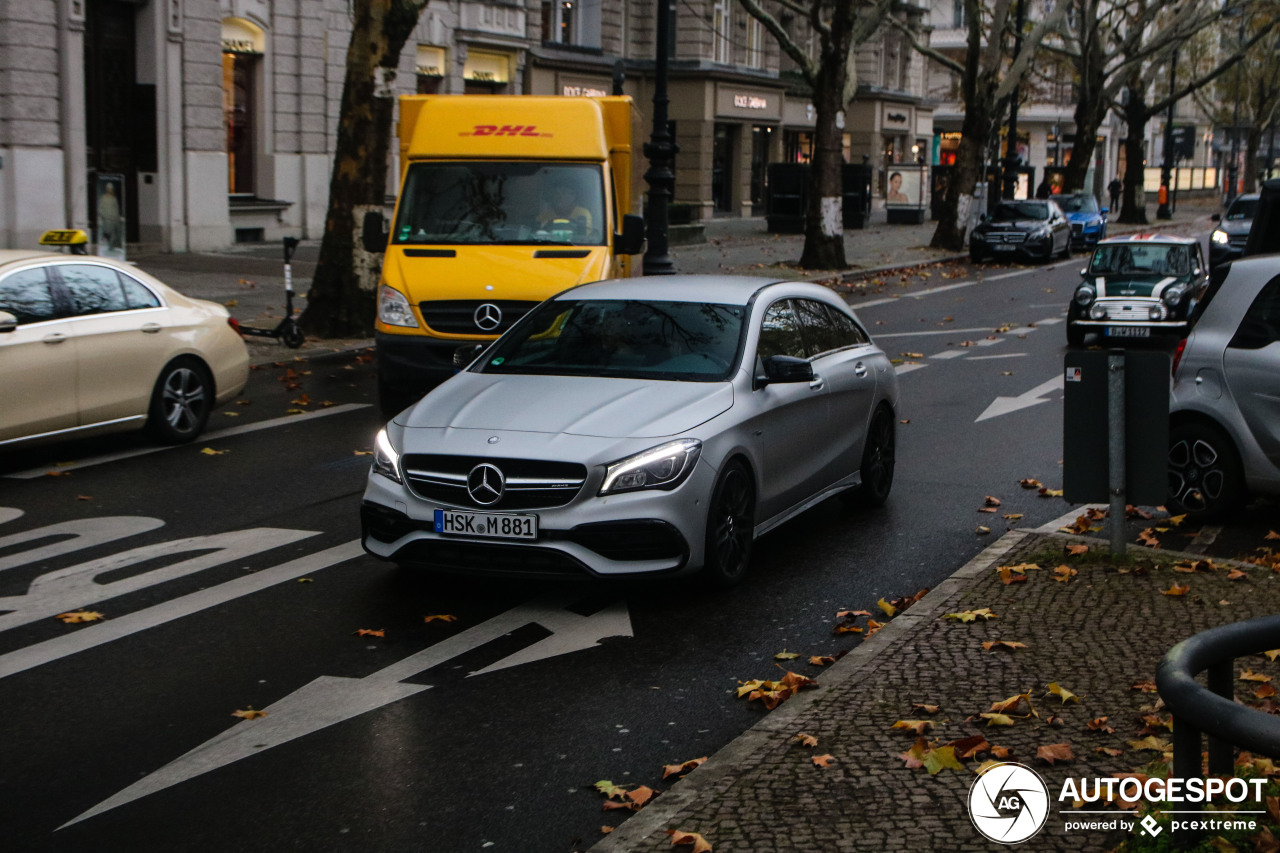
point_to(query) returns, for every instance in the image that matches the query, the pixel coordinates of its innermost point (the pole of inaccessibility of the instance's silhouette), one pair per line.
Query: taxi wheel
(181, 402)
(1206, 480)
(730, 527)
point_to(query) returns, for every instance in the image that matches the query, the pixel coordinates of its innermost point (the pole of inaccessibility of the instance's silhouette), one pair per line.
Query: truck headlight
(386, 461)
(394, 309)
(1220, 237)
(1085, 294)
(663, 467)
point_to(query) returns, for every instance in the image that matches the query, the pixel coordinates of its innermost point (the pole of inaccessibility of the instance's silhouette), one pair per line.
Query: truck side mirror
(631, 240)
(374, 232)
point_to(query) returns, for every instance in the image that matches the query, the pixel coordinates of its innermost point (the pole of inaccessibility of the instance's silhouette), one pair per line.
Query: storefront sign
(241, 36)
(430, 61)
(750, 102)
(487, 67)
(583, 90)
(893, 117)
(747, 103)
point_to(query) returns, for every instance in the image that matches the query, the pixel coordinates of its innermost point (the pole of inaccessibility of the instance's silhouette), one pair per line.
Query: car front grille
(1007, 237)
(1127, 309)
(529, 483)
(458, 316)
(1237, 241)
(1077, 229)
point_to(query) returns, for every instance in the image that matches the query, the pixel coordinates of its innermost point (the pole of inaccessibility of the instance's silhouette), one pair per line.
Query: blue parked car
(1088, 221)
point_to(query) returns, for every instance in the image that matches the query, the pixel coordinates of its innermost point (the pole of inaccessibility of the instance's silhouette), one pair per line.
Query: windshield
(501, 203)
(632, 339)
(1142, 260)
(1243, 208)
(1078, 204)
(1014, 211)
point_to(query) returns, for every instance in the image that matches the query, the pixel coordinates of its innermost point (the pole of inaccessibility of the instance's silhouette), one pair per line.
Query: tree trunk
(1088, 117)
(1136, 117)
(341, 302)
(1252, 142)
(824, 214)
(971, 158)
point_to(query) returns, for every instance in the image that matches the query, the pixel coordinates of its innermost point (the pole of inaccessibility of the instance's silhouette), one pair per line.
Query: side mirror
(464, 355)
(631, 240)
(8, 322)
(784, 368)
(374, 232)
(1217, 217)
(982, 217)
(1084, 273)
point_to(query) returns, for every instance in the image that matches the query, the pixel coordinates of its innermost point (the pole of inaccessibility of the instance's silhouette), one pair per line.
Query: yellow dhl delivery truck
(504, 201)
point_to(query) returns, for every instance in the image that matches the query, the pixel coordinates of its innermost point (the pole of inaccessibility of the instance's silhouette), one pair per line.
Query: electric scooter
(287, 331)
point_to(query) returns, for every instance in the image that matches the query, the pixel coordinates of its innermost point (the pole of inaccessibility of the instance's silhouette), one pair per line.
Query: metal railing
(1198, 710)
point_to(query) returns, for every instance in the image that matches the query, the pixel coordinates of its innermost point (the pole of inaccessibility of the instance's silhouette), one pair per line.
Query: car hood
(1085, 217)
(1018, 225)
(1235, 226)
(571, 405)
(1117, 286)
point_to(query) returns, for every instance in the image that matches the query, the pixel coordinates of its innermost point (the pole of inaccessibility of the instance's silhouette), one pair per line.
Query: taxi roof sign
(64, 237)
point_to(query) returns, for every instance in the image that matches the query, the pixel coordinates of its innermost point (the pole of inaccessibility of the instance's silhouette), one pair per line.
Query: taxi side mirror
(8, 322)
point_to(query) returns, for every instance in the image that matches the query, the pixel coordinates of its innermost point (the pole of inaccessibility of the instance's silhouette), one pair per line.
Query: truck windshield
(495, 202)
(623, 338)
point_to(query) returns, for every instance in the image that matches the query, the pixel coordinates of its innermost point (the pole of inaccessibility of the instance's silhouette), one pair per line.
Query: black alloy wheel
(878, 456)
(1206, 479)
(730, 527)
(181, 402)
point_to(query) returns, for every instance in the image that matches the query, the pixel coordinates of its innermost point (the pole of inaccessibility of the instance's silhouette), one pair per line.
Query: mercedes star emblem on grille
(488, 316)
(486, 484)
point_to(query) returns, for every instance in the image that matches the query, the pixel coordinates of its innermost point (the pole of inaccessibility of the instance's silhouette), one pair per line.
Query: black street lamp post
(661, 152)
(1232, 167)
(1166, 168)
(1009, 181)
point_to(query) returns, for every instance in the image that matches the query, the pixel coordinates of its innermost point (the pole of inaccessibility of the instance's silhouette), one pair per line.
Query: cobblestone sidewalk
(1096, 634)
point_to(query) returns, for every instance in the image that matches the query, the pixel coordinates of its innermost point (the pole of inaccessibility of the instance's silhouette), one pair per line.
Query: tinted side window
(819, 331)
(93, 289)
(780, 332)
(1261, 323)
(850, 334)
(26, 295)
(137, 294)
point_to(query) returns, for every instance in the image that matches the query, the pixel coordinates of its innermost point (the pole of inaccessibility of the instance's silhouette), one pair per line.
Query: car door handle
(151, 328)
(860, 369)
(817, 383)
(54, 338)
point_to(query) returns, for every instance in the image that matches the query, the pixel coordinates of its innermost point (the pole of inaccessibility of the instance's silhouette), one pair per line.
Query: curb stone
(658, 815)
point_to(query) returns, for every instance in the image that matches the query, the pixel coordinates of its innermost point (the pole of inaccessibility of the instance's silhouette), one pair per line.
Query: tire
(181, 402)
(730, 527)
(878, 458)
(1206, 479)
(974, 257)
(291, 334)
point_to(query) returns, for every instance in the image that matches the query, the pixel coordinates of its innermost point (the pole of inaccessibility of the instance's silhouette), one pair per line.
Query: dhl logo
(504, 130)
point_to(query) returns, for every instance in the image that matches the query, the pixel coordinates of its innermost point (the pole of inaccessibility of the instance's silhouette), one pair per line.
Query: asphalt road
(230, 580)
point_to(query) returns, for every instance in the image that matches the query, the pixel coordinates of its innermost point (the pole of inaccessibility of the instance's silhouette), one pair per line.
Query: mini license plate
(1128, 332)
(488, 524)
(1003, 247)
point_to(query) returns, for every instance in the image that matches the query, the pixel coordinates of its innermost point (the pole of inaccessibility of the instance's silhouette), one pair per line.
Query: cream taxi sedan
(90, 345)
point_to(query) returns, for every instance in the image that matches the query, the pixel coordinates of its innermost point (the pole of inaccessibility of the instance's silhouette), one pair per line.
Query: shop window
(573, 22)
(242, 46)
(430, 65)
(486, 73)
(755, 43)
(958, 16)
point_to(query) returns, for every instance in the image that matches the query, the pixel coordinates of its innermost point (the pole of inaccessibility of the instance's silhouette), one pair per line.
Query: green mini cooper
(1138, 286)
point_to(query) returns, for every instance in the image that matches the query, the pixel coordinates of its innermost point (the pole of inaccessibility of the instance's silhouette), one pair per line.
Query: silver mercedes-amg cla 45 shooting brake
(635, 428)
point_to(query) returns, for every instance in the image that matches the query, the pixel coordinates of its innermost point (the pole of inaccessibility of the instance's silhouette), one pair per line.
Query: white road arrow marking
(1005, 405)
(330, 700)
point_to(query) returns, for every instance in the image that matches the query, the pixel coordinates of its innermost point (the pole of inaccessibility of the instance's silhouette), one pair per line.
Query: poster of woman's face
(903, 187)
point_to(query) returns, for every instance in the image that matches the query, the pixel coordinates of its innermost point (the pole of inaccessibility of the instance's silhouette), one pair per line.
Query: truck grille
(458, 316)
(529, 483)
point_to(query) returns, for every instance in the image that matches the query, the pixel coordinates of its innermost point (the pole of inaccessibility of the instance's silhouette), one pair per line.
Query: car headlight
(663, 467)
(1085, 294)
(1098, 311)
(1156, 312)
(394, 308)
(1220, 237)
(1173, 294)
(386, 461)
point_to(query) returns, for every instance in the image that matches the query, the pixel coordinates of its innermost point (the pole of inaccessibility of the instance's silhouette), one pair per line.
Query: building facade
(216, 119)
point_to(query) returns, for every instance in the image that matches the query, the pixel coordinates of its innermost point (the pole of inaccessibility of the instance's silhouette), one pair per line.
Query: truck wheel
(1206, 480)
